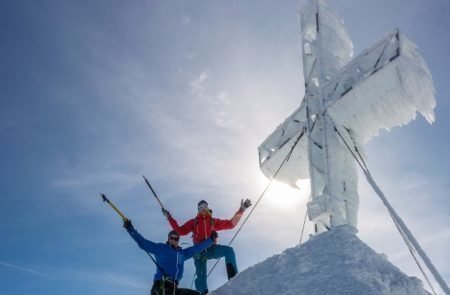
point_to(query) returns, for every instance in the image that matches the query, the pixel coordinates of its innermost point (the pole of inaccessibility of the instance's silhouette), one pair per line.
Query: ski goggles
(202, 206)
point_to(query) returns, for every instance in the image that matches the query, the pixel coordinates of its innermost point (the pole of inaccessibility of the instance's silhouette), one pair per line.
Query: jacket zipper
(198, 232)
(176, 274)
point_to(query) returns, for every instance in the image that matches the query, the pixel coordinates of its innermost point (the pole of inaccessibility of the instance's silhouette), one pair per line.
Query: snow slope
(335, 262)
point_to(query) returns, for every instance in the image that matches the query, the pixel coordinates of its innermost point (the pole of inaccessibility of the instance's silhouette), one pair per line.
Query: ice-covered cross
(347, 101)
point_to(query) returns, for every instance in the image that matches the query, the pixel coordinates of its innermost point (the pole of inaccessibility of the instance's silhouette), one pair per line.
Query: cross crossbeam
(383, 87)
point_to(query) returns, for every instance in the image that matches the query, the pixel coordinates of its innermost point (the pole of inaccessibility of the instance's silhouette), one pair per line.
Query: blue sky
(96, 93)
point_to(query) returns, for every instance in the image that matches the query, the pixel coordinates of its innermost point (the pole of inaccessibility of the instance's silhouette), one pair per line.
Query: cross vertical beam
(385, 86)
(325, 192)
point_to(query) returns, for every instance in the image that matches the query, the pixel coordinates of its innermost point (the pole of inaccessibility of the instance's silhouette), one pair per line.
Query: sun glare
(285, 197)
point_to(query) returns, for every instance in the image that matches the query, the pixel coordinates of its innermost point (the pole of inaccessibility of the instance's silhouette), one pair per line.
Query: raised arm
(182, 230)
(224, 224)
(144, 244)
(191, 251)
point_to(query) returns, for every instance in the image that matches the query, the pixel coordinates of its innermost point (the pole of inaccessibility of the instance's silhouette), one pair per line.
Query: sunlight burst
(283, 196)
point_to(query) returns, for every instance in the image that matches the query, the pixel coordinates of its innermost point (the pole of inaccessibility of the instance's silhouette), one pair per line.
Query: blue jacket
(171, 260)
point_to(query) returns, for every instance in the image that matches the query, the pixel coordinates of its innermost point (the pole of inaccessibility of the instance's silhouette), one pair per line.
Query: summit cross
(347, 101)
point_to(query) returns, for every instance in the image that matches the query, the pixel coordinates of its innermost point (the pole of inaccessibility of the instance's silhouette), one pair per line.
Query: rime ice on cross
(385, 86)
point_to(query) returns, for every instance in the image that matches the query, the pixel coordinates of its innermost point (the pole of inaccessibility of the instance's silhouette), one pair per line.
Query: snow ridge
(335, 262)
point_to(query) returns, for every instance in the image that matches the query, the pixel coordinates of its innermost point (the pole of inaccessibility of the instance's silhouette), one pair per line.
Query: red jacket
(203, 225)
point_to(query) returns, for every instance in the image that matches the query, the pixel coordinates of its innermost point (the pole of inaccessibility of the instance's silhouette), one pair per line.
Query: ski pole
(105, 199)
(153, 191)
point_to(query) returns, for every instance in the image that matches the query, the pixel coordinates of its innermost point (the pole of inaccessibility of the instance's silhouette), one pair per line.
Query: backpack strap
(211, 222)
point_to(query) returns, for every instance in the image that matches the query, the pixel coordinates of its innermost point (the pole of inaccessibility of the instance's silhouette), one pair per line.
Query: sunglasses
(202, 206)
(174, 238)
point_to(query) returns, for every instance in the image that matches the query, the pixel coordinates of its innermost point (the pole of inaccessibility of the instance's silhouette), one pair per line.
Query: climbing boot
(231, 271)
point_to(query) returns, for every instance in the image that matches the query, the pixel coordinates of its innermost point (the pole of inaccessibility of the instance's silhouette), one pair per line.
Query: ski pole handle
(105, 199)
(153, 191)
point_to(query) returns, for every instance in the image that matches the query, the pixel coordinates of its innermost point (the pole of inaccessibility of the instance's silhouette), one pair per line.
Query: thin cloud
(198, 85)
(215, 104)
(221, 119)
(121, 280)
(90, 179)
(221, 106)
(413, 181)
(109, 278)
(28, 270)
(222, 98)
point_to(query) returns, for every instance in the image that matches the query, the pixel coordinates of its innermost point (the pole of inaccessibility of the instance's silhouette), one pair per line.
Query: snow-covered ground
(335, 262)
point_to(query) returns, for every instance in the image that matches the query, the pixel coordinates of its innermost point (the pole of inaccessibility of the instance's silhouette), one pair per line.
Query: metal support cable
(411, 250)
(262, 195)
(304, 222)
(400, 225)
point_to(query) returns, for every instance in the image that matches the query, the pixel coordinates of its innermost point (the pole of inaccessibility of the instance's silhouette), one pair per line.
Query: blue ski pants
(213, 252)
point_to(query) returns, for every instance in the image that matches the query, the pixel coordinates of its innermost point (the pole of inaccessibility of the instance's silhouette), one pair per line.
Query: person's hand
(128, 225)
(214, 235)
(165, 212)
(245, 204)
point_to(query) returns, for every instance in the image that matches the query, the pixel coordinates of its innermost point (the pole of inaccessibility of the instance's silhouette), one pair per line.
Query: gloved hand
(165, 212)
(214, 235)
(245, 204)
(128, 225)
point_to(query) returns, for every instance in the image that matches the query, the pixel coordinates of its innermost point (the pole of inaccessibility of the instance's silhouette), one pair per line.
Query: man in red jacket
(202, 227)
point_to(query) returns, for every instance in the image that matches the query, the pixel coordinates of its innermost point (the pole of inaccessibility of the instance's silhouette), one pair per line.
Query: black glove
(245, 204)
(128, 225)
(165, 212)
(214, 235)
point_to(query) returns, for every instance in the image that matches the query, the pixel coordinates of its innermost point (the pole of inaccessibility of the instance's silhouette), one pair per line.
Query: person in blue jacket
(169, 258)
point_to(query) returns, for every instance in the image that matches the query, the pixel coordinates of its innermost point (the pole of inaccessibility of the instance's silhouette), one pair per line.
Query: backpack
(211, 222)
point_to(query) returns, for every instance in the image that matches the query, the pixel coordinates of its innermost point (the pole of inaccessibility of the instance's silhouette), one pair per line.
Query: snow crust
(347, 102)
(276, 147)
(324, 36)
(385, 86)
(390, 83)
(336, 262)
